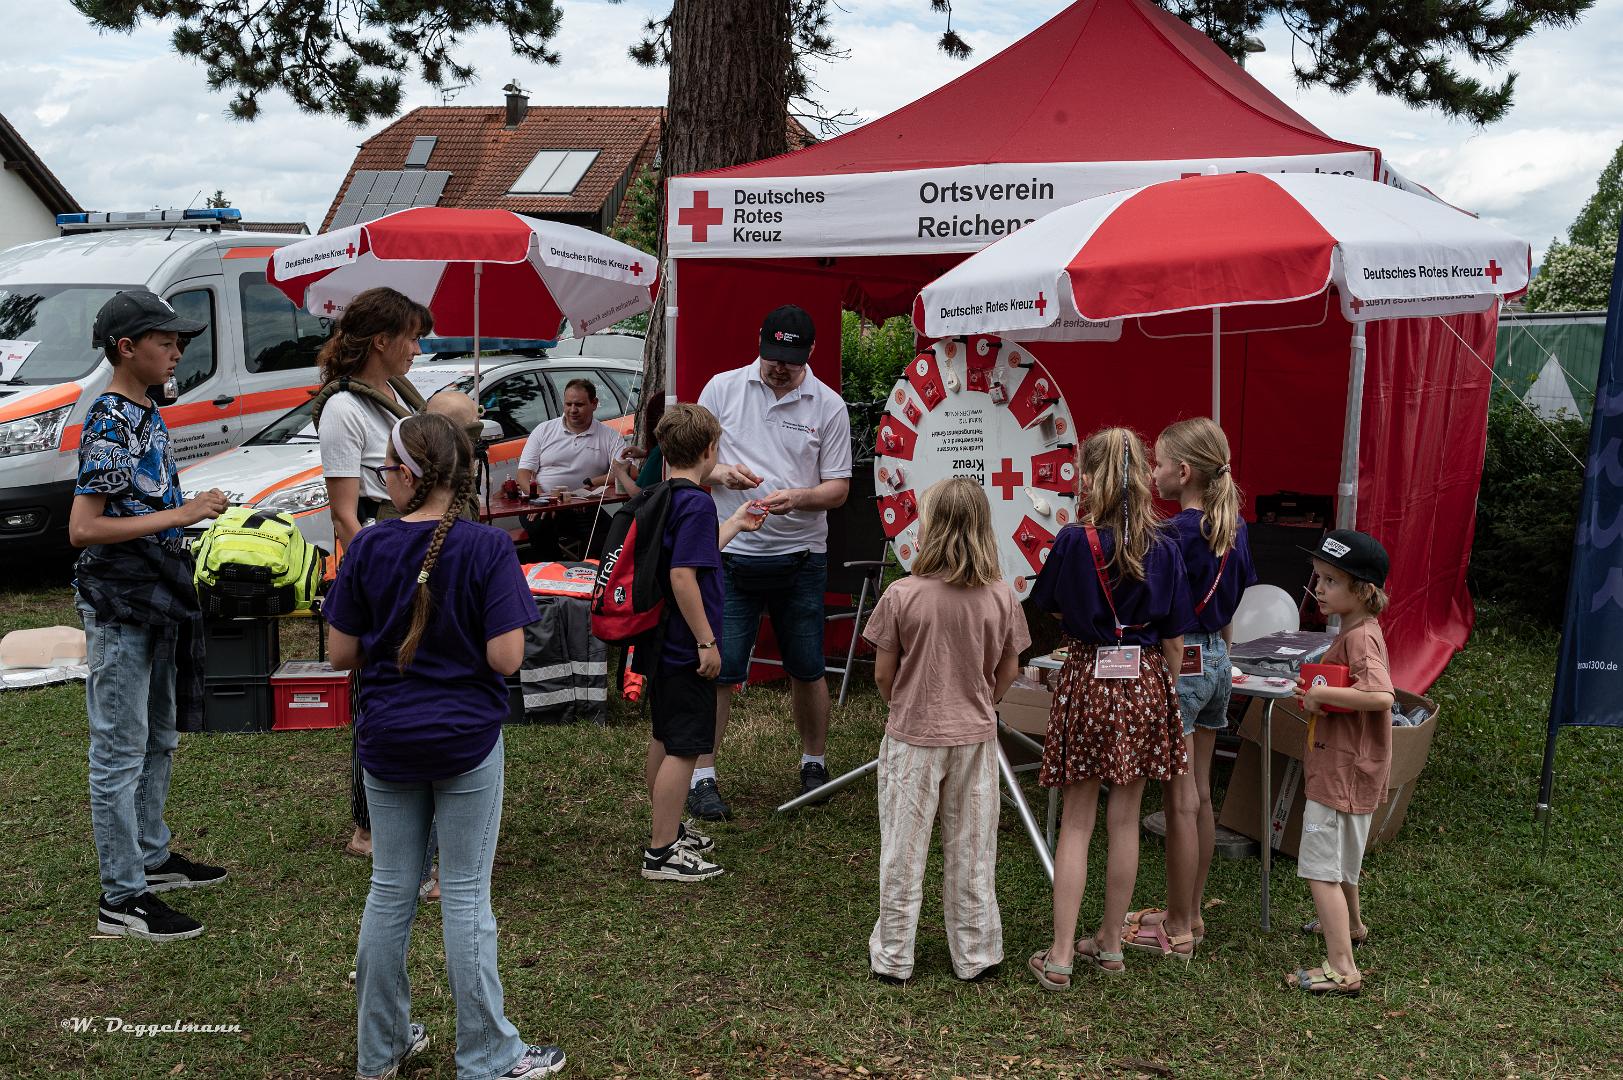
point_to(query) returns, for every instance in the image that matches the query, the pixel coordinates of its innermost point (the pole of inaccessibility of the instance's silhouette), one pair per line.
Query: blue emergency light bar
(214, 216)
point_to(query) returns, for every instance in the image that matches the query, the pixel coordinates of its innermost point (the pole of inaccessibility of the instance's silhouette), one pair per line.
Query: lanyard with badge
(1193, 658)
(1116, 661)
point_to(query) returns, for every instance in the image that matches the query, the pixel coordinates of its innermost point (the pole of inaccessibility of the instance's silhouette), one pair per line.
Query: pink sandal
(1153, 938)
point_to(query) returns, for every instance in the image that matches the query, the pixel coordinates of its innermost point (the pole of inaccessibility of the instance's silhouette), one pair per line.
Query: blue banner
(1589, 676)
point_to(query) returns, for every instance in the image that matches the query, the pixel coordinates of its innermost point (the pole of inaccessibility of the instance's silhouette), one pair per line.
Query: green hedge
(1527, 510)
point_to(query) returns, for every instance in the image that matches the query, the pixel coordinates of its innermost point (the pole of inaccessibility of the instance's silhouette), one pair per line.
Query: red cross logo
(701, 215)
(1042, 305)
(635, 268)
(328, 307)
(1493, 270)
(350, 251)
(1007, 478)
(1356, 304)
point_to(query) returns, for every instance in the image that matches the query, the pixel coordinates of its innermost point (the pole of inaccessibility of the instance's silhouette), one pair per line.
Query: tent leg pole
(670, 331)
(1546, 787)
(478, 272)
(1217, 366)
(1351, 432)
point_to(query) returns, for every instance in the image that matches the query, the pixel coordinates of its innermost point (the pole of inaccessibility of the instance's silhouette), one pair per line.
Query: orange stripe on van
(249, 252)
(291, 481)
(197, 412)
(44, 401)
(266, 400)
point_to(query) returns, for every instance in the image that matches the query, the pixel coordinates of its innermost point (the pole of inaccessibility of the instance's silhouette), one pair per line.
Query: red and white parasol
(490, 273)
(1209, 242)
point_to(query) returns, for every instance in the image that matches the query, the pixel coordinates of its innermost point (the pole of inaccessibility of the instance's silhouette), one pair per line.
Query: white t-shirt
(563, 458)
(796, 441)
(354, 434)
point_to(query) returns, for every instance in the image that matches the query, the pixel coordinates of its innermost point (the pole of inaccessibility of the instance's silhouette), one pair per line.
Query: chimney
(518, 104)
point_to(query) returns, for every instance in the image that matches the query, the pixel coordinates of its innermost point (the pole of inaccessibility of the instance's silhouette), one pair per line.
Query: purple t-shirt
(1069, 585)
(442, 715)
(1238, 574)
(692, 539)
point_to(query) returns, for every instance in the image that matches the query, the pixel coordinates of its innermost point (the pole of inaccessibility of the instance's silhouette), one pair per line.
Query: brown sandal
(1329, 982)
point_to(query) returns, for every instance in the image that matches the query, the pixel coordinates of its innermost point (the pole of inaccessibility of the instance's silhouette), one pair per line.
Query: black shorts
(683, 706)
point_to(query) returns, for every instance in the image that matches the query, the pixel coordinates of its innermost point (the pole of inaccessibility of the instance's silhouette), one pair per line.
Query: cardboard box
(1241, 812)
(1025, 709)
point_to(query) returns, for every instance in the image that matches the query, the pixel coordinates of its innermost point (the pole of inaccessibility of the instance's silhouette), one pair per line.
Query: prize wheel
(986, 409)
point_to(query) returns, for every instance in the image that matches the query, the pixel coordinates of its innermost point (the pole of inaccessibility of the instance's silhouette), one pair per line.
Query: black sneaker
(419, 1043)
(678, 864)
(147, 917)
(813, 775)
(705, 802)
(695, 841)
(538, 1061)
(179, 872)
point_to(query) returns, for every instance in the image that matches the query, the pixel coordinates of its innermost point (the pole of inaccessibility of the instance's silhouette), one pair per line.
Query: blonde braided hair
(446, 458)
(1116, 498)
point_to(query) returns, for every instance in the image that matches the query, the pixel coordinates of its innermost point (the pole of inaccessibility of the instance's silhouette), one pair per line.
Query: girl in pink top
(948, 640)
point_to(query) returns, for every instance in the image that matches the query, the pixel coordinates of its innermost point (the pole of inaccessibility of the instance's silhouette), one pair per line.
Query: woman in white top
(363, 392)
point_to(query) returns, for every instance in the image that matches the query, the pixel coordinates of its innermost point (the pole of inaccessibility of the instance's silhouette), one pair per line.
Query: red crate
(309, 694)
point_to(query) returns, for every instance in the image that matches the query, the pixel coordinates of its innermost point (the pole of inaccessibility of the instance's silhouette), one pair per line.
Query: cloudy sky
(126, 124)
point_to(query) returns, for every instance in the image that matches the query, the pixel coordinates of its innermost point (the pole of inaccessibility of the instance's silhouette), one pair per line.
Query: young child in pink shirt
(948, 640)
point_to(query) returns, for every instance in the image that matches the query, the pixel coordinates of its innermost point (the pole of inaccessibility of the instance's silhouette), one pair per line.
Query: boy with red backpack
(660, 586)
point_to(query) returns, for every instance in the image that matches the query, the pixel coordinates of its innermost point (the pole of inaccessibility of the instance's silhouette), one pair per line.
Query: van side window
(197, 361)
(276, 335)
(608, 402)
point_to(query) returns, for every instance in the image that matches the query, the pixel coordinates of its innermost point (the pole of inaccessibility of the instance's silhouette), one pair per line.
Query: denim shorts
(789, 588)
(1204, 699)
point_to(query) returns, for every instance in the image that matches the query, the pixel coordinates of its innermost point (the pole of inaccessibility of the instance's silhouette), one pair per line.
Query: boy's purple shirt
(443, 714)
(692, 539)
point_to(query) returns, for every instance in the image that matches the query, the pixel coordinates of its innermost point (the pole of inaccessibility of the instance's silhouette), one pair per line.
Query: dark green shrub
(1527, 510)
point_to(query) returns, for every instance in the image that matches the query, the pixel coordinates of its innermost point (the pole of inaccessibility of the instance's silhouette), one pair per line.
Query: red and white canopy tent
(1107, 95)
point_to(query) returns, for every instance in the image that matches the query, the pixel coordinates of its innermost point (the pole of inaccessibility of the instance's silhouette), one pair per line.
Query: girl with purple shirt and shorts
(1117, 583)
(432, 608)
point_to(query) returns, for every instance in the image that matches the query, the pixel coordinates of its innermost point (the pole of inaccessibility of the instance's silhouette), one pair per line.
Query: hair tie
(422, 578)
(400, 450)
(1224, 469)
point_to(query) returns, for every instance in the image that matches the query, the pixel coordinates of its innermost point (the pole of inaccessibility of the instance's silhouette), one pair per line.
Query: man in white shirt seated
(574, 451)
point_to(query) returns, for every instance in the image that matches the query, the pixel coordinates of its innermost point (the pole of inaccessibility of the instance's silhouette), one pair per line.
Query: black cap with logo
(787, 334)
(1359, 554)
(133, 312)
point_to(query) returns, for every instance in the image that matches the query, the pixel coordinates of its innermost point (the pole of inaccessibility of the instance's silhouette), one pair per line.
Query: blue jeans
(1204, 699)
(130, 698)
(468, 812)
(789, 588)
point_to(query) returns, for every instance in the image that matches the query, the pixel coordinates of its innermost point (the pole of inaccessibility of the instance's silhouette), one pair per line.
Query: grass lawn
(1486, 959)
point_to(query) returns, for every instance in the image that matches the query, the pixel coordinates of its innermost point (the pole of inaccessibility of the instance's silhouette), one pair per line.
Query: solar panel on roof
(345, 216)
(406, 188)
(382, 189)
(433, 187)
(421, 147)
(359, 186)
(553, 172)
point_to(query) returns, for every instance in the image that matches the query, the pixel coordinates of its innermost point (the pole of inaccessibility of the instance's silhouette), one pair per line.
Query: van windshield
(293, 426)
(49, 328)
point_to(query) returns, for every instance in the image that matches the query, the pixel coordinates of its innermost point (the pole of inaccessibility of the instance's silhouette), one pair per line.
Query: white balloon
(1264, 610)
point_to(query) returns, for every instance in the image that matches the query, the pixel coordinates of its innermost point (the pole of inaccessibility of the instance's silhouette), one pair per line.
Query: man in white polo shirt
(573, 451)
(786, 439)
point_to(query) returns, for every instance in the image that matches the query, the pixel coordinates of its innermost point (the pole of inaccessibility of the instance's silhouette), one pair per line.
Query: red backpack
(633, 581)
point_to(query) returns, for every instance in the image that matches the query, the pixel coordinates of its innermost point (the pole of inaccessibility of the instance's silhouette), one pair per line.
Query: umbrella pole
(478, 272)
(1347, 491)
(1217, 366)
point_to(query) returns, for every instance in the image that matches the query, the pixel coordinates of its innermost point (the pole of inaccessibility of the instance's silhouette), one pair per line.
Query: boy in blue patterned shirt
(134, 591)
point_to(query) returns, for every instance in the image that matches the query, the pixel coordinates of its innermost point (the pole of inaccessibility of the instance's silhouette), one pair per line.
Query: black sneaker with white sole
(677, 864)
(419, 1043)
(813, 775)
(538, 1061)
(705, 802)
(179, 872)
(145, 917)
(695, 841)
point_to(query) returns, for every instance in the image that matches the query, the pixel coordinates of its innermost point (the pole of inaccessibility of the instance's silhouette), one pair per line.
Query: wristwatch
(704, 645)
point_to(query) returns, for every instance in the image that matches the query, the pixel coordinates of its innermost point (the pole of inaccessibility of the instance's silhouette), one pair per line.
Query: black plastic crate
(238, 705)
(240, 648)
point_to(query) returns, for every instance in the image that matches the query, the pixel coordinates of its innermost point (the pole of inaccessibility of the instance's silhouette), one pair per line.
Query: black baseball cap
(1359, 554)
(135, 311)
(787, 335)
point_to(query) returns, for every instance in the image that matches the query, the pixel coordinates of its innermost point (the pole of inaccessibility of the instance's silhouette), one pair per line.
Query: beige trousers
(914, 783)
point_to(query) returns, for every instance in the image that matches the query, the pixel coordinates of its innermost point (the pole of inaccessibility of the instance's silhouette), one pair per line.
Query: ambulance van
(256, 360)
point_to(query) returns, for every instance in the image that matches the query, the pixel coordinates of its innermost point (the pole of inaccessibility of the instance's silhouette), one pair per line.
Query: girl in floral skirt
(1116, 581)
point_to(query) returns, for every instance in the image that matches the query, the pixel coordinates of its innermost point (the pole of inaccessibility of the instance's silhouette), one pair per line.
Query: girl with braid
(432, 608)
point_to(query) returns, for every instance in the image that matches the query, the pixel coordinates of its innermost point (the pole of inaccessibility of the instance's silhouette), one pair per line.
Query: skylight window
(554, 172)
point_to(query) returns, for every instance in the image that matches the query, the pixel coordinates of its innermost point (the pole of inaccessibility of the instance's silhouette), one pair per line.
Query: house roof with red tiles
(486, 159)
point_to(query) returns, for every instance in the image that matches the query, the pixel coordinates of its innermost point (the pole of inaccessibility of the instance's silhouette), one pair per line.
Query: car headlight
(310, 495)
(31, 434)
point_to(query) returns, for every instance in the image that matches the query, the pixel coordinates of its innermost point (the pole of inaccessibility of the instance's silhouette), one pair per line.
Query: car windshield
(292, 426)
(45, 331)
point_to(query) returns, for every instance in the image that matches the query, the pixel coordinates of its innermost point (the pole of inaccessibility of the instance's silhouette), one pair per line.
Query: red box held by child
(309, 694)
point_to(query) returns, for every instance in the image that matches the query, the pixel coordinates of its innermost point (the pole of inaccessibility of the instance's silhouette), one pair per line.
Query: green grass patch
(1487, 960)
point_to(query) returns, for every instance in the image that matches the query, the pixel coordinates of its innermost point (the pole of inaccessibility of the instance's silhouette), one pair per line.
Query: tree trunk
(728, 103)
